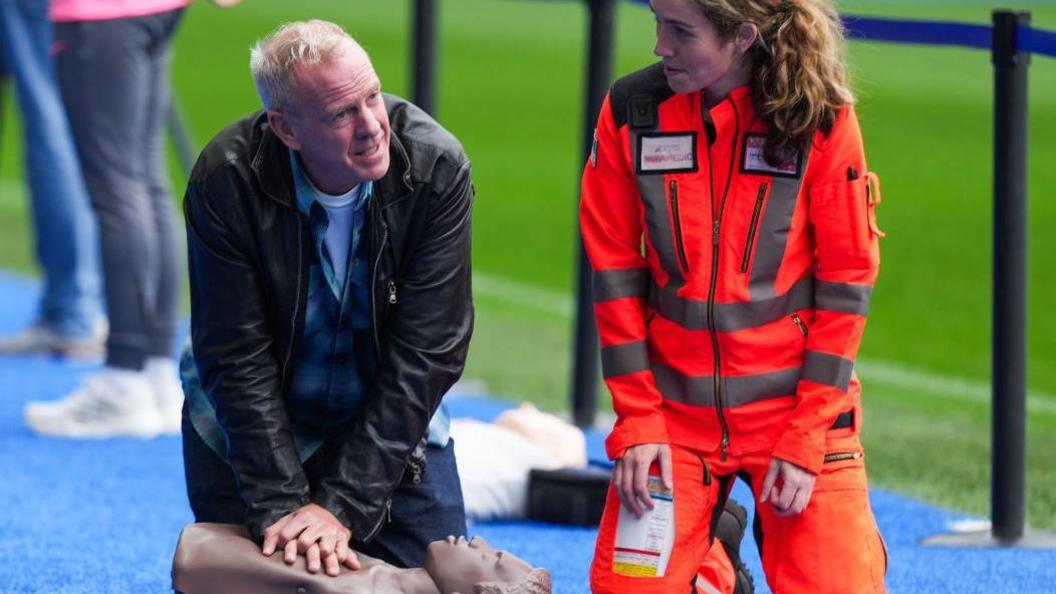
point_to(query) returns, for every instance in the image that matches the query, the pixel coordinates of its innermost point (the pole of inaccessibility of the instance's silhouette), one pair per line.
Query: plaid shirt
(327, 387)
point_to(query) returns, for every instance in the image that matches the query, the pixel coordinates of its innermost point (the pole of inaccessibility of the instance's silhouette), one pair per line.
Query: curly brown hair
(799, 81)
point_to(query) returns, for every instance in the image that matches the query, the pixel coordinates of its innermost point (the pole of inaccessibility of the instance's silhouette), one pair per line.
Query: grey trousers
(114, 76)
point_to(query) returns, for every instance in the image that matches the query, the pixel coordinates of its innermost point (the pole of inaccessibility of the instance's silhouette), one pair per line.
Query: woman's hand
(793, 495)
(631, 477)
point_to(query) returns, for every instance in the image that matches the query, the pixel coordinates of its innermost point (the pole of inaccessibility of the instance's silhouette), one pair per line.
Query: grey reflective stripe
(691, 314)
(736, 390)
(617, 284)
(695, 391)
(831, 370)
(742, 389)
(773, 233)
(621, 359)
(657, 222)
(842, 297)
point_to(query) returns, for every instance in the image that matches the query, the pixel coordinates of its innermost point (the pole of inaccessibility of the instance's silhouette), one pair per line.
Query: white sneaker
(168, 392)
(40, 337)
(111, 403)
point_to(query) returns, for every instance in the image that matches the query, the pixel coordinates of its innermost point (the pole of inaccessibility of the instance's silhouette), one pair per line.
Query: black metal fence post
(423, 85)
(599, 75)
(1009, 356)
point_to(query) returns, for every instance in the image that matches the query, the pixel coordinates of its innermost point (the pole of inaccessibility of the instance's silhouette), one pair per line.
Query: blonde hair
(273, 59)
(799, 82)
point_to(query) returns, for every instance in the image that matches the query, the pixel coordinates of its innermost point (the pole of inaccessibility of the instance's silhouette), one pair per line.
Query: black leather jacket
(249, 249)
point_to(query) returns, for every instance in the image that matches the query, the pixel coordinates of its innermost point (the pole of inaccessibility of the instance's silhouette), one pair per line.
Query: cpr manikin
(221, 559)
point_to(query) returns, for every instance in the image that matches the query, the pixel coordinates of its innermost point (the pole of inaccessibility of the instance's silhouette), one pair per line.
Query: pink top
(97, 10)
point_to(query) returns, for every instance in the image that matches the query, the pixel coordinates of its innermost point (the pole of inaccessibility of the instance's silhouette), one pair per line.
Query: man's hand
(793, 495)
(631, 477)
(317, 534)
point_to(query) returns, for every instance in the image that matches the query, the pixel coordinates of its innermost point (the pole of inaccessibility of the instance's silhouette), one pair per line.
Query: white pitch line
(549, 301)
(947, 386)
(560, 304)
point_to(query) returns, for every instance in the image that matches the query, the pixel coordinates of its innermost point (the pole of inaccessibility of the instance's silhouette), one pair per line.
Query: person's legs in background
(109, 74)
(160, 365)
(71, 320)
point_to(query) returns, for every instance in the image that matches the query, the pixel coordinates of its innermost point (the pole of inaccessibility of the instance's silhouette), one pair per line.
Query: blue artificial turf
(103, 516)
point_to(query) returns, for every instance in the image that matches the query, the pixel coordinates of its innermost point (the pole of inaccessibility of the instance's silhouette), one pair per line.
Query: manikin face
(694, 55)
(338, 123)
(457, 564)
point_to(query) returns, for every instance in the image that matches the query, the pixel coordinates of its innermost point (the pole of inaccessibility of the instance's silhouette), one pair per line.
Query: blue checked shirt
(327, 389)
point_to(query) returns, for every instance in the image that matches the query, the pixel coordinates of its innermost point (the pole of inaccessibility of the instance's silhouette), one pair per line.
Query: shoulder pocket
(842, 216)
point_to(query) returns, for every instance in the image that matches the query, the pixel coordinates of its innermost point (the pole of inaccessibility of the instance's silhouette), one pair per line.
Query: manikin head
(474, 567)
(323, 100)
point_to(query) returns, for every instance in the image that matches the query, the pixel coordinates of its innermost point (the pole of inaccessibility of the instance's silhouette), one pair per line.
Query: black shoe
(730, 532)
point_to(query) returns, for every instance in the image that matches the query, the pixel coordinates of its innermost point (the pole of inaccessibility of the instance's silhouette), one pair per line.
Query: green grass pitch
(511, 88)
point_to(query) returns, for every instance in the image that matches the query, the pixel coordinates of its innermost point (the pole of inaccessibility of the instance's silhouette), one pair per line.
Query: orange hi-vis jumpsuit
(730, 297)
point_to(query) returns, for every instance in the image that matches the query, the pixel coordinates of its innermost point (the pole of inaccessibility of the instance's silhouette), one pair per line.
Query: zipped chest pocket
(753, 226)
(676, 225)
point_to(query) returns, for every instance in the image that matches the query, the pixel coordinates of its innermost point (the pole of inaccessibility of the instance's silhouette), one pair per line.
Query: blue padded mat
(103, 516)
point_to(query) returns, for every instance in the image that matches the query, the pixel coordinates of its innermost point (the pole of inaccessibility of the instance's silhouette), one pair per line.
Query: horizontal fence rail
(980, 36)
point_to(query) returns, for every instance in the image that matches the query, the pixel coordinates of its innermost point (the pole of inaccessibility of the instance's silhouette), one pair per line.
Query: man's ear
(747, 33)
(280, 124)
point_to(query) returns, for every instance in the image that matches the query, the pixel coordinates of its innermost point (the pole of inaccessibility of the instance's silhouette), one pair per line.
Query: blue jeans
(67, 242)
(421, 513)
(114, 76)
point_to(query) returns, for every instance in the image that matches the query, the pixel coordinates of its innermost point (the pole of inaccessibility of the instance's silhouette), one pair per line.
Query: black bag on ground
(568, 495)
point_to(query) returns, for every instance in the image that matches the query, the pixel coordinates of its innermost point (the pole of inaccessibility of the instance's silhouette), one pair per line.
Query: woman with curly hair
(728, 215)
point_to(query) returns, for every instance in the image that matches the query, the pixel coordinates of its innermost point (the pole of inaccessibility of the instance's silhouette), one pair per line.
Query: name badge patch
(667, 152)
(754, 162)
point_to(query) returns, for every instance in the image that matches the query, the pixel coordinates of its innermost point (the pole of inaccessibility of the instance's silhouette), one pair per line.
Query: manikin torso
(220, 558)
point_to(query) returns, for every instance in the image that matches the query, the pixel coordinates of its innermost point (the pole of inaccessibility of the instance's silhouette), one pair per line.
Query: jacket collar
(396, 184)
(271, 166)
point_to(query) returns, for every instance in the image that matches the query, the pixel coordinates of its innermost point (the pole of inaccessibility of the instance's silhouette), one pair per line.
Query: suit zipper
(673, 186)
(373, 287)
(720, 405)
(798, 321)
(752, 228)
(840, 456)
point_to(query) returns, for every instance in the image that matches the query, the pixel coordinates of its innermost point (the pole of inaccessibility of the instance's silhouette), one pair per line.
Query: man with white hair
(329, 251)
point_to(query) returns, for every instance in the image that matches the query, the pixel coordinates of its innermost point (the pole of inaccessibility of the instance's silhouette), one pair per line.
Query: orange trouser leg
(716, 573)
(693, 503)
(834, 544)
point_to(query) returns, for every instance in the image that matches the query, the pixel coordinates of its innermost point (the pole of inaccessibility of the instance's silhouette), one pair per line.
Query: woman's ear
(746, 35)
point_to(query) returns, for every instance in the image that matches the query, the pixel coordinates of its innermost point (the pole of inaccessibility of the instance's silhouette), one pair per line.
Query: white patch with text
(674, 152)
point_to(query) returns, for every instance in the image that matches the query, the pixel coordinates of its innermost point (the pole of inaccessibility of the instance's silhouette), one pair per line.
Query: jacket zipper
(798, 321)
(719, 403)
(751, 229)
(392, 292)
(386, 518)
(373, 286)
(678, 226)
(296, 304)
